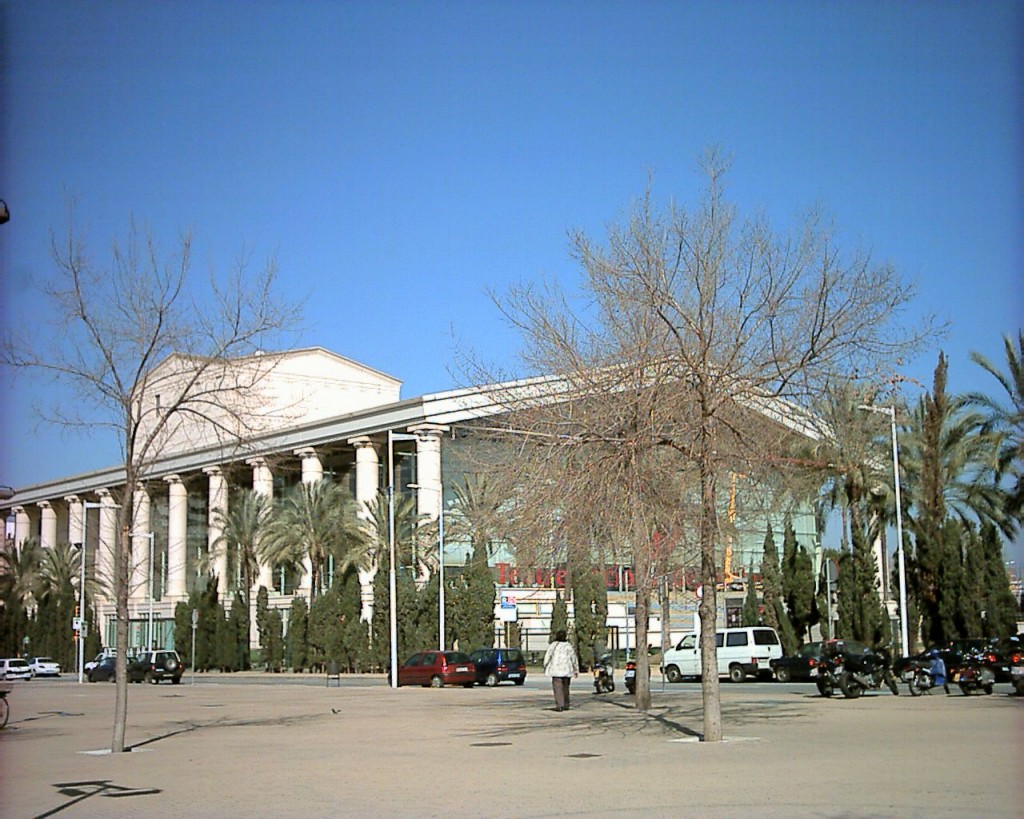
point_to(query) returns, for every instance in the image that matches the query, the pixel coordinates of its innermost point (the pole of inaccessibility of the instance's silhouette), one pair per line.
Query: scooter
(975, 673)
(604, 677)
(918, 677)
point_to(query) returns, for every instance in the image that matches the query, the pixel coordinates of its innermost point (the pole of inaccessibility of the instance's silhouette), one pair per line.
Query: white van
(741, 652)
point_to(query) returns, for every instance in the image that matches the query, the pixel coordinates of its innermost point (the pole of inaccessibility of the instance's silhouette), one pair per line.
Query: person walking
(561, 665)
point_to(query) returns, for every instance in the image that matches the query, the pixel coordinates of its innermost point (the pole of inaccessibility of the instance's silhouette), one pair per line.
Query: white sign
(508, 612)
(76, 623)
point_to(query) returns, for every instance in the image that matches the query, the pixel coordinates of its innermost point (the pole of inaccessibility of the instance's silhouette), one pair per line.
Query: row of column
(367, 465)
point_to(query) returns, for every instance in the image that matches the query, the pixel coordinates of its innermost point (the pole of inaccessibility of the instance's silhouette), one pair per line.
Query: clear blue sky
(400, 159)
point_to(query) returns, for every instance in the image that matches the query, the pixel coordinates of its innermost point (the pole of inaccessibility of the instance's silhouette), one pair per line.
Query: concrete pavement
(254, 750)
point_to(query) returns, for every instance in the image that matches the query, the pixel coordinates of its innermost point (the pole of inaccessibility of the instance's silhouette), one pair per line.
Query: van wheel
(672, 674)
(492, 679)
(520, 682)
(150, 678)
(736, 673)
(782, 674)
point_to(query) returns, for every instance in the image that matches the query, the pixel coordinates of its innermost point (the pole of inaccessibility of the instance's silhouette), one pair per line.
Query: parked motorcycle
(630, 676)
(918, 677)
(975, 672)
(1017, 672)
(853, 674)
(604, 675)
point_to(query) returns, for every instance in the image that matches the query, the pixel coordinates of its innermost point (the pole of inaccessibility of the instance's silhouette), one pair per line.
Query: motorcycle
(975, 674)
(1017, 672)
(604, 677)
(853, 674)
(630, 676)
(918, 677)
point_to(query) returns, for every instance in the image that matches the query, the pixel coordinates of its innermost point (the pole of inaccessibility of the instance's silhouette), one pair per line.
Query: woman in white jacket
(561, 665)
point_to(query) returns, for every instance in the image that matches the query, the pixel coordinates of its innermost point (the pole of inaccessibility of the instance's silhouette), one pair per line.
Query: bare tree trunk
(708, 578)
(642, 567)
(122, 574)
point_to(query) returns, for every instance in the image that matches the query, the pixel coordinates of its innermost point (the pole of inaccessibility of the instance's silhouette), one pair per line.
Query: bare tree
(150, 353)
(695, 351)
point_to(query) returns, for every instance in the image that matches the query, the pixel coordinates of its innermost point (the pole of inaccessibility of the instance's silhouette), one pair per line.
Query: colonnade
(73, 509)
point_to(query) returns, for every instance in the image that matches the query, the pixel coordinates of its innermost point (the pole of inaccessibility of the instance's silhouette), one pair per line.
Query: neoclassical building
(315, 414)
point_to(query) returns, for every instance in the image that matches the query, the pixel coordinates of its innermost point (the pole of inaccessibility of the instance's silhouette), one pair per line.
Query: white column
(76, 519)
(367, 486)
(22, 525)
(312, 471)
(428, 477)
(108, 535)
(48, 525)
(263, 484)
(177, 541)
(141, 527)
(217, 506)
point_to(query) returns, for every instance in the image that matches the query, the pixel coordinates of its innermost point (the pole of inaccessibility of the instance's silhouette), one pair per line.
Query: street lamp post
(86, 506)
(392, 588)
(891, 412)
(149, 634)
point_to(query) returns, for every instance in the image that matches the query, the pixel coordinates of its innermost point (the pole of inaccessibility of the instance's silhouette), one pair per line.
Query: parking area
(259, 750)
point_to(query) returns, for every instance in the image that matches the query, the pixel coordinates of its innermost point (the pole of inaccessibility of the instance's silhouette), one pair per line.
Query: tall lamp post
(392, 588)
(891, 412)
(86, 506)
(440, 568)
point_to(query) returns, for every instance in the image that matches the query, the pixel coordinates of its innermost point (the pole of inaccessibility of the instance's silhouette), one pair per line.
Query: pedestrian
(561, 665)
(937, 668)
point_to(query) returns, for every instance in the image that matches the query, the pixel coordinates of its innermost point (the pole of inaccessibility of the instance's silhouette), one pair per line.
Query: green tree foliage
(314, 521)
(469, 604)
(771, 580)
(868, 622)
(751, 605)
(273, 641)
(1007, 419)
(19, 567)
(559, 615)
(262, 608)
(798, 583)
(590, 612)
(298, 648)
(237, 657)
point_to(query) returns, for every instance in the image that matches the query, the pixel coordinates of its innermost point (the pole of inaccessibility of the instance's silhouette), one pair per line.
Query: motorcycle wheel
(915, 686)
(850, 688)
(890, 680)
(965, 689)
(988, 688)
(824, 688)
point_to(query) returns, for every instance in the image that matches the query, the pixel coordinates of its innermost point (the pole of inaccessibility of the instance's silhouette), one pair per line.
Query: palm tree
(19, 569)
(410, 533)
(241, 526)
(1007, 420)
(314, 521)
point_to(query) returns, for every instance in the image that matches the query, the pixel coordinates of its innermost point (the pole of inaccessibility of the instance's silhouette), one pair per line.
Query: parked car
(495, 665)
(154, 666)
(103, 671)
(438, 669)
(15, 669)
(95, 661)
(741, 652)
(802, 666)
(44, 667)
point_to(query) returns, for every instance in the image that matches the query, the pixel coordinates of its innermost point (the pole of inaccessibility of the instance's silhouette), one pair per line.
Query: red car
(437, 669)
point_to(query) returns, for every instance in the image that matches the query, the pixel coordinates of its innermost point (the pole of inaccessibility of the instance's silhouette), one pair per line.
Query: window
(765, 637)
(736, 638)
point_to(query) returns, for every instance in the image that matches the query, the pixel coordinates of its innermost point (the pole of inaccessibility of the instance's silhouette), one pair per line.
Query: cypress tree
(297, 648)
(559, 615)
(751, 606)
(590, 612)
(797, 583)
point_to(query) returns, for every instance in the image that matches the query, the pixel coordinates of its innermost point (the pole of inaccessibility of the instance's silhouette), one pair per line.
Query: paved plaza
(286, 750)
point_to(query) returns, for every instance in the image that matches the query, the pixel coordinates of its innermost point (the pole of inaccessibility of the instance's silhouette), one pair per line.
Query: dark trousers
(560, 685)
